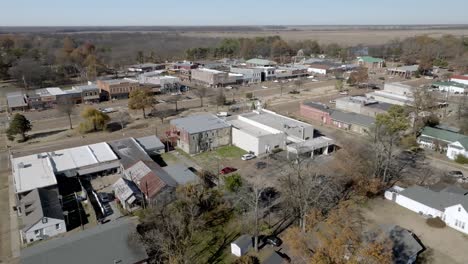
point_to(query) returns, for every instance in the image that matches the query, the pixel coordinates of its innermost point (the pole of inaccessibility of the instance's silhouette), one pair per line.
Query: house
(151, 144)
(107, 243)
(451, 87)
(358, 123)
(316, 111)
(199, 133)
(117, 88)
(16, 102)
(406, 71)
(370, 62)
(41, 215)
(181, 174)
(459, 147)
(362, 105)
(448, 204)
(250, 75)
(463, 79)
(260, 63)
(439, 139)
(210, 77)
(241, 245)
(394, 93)
(154, 182)
(127, 194)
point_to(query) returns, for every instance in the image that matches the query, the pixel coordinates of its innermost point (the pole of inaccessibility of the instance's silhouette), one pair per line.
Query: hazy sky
(232, 12)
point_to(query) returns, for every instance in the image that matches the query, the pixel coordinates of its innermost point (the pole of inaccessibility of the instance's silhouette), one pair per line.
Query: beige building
(210, 77)
(118, 88)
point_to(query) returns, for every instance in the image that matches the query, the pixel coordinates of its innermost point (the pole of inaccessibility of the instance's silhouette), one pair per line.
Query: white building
(241, 245)
(451, 87)
(394, 93)
(463, 79)
(456, 148)
(449, 204)
(250, 75)
(41, 215)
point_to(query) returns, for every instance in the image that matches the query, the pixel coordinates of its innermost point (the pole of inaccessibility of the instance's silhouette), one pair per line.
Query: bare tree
(201, 92)
(67, 107)
(175, 100)
(123, 117)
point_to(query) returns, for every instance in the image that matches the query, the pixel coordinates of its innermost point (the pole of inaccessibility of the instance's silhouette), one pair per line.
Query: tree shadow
(45, 134)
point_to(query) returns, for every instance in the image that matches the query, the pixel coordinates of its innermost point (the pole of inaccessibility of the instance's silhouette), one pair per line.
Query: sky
(233, 12)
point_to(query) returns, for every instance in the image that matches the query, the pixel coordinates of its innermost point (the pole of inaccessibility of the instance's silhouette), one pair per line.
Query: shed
(241, 245)
(151, 144)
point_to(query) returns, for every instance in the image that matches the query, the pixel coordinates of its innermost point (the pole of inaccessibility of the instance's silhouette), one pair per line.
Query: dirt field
(343, 37)
(443, 245)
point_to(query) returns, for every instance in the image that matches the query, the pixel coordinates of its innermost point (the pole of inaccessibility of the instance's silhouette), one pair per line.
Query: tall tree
(95, 118)
(66, 106)
(140, 100)
(19, 125)
(201, 92)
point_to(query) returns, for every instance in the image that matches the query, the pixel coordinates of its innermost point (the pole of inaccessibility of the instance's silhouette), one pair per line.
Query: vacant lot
(343, 37)
(443, 245)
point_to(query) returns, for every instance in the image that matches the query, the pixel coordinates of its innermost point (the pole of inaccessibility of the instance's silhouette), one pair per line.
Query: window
(44, 220)
(36, 232)
(459, 209)
(57, 226)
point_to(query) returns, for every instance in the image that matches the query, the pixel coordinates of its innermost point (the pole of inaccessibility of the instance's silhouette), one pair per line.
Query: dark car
(228, 170)
(260, 165)
(107, 209)
(105, 197)
(455, 174)
(273, 240)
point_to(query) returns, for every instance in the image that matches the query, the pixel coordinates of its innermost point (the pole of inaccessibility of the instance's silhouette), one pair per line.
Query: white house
(241, 246)
(463, 79)
(449, 204)
(41, 215)
(459, 147)
(451, 87)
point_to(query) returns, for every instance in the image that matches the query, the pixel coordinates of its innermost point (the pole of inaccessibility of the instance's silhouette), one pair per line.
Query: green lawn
(225, 152)
(169, 158)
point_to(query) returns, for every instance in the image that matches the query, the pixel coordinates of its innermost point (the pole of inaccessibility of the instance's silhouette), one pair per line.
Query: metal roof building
(199, 123)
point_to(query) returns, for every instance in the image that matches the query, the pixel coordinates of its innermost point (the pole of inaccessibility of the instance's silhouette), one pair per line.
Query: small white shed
(241, 245)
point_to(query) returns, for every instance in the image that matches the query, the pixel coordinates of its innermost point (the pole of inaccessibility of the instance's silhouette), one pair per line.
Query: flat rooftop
(249, 128)
(32, 172)
(199, 123)
(276, 121)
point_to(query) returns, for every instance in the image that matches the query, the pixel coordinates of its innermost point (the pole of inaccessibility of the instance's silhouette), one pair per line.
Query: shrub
(409, 142)
(233, 182)
(461, 159)
(435, 222)
(249, 95)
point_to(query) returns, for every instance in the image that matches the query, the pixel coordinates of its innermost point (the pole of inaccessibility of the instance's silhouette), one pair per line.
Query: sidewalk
(14, 231)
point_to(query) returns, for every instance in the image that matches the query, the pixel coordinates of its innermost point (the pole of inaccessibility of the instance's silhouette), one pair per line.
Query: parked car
(264, 87)
(294, 92)
(228, 87)
(222, 114)
(455, 174)
(161, 101)
(275, 81)
(105, 197)
(248, 156)
(227, 170)
(107, 209)
(107, 110)
(344, 93)
(273, 240)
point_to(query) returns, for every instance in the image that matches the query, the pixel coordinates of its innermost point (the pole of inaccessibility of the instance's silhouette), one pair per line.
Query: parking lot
(443, 245)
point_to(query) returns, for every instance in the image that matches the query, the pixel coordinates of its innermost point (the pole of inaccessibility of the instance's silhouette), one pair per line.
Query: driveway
(443, 245)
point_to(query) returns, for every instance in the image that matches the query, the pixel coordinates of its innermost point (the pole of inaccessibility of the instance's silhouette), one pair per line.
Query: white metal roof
(55, 91)
(32, 172)
(248, 128)
(79, 157)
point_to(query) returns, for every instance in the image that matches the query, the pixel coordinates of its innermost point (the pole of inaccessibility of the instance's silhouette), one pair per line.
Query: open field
(343, 37)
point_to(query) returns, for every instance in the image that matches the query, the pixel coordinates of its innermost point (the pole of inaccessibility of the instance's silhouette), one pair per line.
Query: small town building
(358, 123)
(185, 65)
(316, 111)
(268, 73)
(117, 88)
(291, 71)
(146, 67)
(210, 77)
(260, 63)
(250, 75)
(16, 101)
(241, 245)
(362, 105)
(406, 71)
(107, 243)
(439, 139)
(89, 93)
(127, 194)
(324, 67)
(41, 215)
(458, 148)
(463, 79)
(394, 93)
(449, 204)
(181, 174)
(199, 133)
(151, 144)
(370, 62)
(451, 87)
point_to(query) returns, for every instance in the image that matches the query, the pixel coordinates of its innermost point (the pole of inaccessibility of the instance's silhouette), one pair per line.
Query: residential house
(16, 102)
(370, 62)
(41, 215)
(199, 133)
(127, 194)
(358, 123)
(241, 245)
(117, 88)
(451, 87)
(449, 204)
(406, 71)
(463, 79)
(316, 111)
(260, 63)
(107, 243)
(439, 139)
(459, 147)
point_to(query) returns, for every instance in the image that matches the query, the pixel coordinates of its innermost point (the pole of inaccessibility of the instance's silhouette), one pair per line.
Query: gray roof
(129, 151)
(438, 200)
(199, 123)
(181, 174)
(380, 105)
(107, 243)
(16, 99)
(319, 106)
(40, 203)
(405, 245)
(150, 143)
(353, 118)
(455, 189)
(243, 241)
(276, 121)
(87, 87)
(274, 258)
